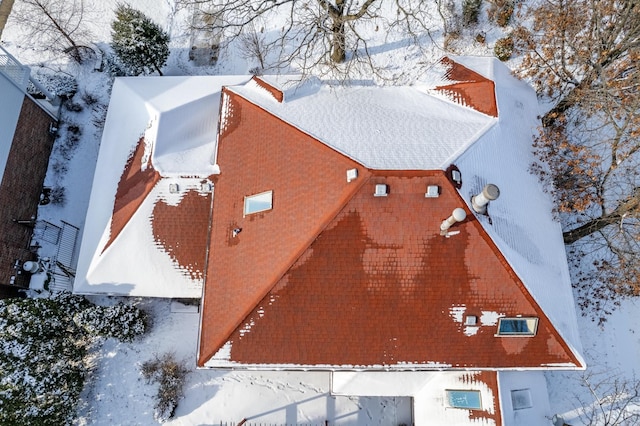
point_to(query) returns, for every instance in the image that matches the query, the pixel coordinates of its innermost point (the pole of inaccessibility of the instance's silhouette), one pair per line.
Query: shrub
(123, 322)
(59, 84)
(58, 196)
(503, 48)
(470, 11)
(41, 360)
(170, 376)
(501, 12)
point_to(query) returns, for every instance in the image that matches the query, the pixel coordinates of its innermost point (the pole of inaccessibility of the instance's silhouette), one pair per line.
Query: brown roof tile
(258, 153)
(471, 89)
(181, 230)
(134, 186)
(335, 276)
(380, 286)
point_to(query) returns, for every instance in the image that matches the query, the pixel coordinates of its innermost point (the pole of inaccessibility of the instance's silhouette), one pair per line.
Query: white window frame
(262, 197)
(532, 323)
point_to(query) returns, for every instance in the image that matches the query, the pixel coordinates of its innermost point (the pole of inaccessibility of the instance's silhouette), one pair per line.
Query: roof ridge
(131, 175)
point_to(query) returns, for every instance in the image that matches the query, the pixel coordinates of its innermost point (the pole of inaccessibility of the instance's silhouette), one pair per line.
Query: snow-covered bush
(42, 354)
(170, 376)
(138, 42)
(124, 322)
(59, 84)
(41, 362)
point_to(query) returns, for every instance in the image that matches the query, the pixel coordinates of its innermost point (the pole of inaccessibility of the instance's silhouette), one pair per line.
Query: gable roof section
(468, 88)
(397, 128)
(258, 152)
(149, 212)
(380, 287)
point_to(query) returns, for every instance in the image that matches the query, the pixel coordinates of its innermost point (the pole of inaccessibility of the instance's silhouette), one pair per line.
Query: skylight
(517, 326)
(468, 399)
(258, 202)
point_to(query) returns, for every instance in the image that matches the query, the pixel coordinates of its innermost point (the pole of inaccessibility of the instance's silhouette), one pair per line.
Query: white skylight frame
(257, 203)
(465, 399)
(530, 330)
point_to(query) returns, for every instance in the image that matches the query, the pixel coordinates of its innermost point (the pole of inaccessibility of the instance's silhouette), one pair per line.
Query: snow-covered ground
(117, 393)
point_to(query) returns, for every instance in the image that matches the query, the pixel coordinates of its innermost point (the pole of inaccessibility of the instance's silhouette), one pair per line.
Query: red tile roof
(489, 411)
(334, 276)
(181, 230)
(470, 88)
(134, 186)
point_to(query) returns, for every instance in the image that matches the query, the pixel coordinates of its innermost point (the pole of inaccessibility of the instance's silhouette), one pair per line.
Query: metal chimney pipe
(479, 202)
(458, 215)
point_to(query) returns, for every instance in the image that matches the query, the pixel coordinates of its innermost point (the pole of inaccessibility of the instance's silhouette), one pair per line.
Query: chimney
(458, 215)
(479, 202)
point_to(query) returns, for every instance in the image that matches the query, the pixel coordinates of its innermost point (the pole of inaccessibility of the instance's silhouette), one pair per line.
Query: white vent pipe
(479, 202)
(458, 215)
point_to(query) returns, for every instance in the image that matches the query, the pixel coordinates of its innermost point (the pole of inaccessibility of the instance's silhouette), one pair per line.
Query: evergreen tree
(139, 43)
(43, 344)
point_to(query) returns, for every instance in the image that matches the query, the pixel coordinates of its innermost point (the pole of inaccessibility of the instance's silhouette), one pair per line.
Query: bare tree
(611, 401)
(583, 57)
(317, 32)
(574, 44)
(54, 24)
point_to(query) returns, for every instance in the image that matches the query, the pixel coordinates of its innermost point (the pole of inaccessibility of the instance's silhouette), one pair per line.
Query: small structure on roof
(324, 246)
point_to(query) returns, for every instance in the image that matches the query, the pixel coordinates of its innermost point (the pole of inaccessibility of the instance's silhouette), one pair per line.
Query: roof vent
(173, 188)
(479, 202)
(458, 215)
(433, 191)
(382, 190)
(352, 174)
(471, 320)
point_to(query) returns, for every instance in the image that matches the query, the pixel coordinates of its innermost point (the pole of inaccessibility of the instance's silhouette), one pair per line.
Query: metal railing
(14, 70)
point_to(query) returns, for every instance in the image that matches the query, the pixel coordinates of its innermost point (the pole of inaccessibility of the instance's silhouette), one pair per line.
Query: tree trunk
(338, 54)
(629, 205)
(569, 100)
(590, 227)
(5, 10)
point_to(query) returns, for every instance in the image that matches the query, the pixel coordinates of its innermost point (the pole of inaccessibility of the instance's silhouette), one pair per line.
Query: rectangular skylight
(258, 202)
(468, 399)
(517, 327)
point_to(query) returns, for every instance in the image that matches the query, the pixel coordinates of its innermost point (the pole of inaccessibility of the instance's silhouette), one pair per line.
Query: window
(468, 399)
(517, 326)
(521, 399)
(258, 203)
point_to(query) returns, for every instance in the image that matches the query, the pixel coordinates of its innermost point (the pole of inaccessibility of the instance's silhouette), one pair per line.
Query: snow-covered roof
(380, 127)
(145, 233)
(429, 392)
(521, 222)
